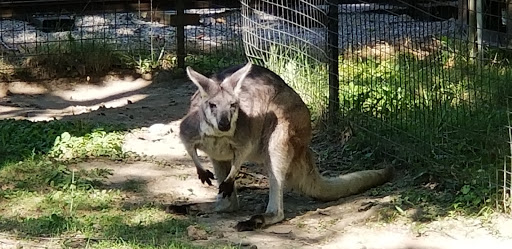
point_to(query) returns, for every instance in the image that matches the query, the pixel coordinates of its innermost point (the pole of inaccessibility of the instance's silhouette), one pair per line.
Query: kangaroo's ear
(237, 78)
(203, 83)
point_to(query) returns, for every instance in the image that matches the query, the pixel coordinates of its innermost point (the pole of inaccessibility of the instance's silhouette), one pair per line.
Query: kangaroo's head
(219, 101)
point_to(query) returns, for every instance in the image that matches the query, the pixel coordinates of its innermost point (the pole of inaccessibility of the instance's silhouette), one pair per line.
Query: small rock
(196, 233)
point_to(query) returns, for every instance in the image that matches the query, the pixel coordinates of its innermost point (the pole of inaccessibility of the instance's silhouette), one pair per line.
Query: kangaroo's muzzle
(224, 123)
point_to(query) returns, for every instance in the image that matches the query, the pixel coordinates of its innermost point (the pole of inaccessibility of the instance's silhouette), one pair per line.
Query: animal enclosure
(424, 82)
(421, 84)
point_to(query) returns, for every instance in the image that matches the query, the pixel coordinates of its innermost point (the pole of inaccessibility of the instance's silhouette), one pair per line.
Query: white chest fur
(218, 148)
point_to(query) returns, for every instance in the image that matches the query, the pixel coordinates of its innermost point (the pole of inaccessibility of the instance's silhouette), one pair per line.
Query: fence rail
(22, 8)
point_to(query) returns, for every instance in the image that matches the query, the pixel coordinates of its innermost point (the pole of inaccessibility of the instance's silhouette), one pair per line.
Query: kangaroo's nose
(224, 124)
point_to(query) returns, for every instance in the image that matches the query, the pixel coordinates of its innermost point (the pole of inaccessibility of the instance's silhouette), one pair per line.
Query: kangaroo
(247, 113)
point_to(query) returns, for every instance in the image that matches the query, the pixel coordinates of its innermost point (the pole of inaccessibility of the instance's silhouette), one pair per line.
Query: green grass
(22, 139)
(439, 118)
(213, 61)
(445, 116)
(306, 75)
(72, 57)
(41, 196)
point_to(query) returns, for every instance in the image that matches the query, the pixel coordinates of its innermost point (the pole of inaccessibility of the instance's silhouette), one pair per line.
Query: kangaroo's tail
(308, 180)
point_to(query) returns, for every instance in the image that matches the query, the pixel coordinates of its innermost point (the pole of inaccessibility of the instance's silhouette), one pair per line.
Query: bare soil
(152, 111)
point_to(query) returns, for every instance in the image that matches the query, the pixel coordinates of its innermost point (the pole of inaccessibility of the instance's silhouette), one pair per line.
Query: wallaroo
(247, 113)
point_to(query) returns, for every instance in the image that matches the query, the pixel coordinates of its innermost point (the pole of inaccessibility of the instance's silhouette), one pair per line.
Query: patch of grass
(40, 173)
(41, 196)
(149, 60)
(94, 144)
(215, 60)
(439, 117)
(72, 57)
(305, 74)
(21, 139)
(77, 206)
(97, 217)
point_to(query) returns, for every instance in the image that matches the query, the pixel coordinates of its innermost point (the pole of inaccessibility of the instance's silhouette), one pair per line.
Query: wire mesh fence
(504, 175)
(425, 81)
(289, 37)
(55, 41)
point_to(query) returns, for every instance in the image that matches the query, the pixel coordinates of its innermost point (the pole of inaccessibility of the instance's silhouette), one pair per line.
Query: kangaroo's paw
(255, 222)
(227, 187)
(205, 176)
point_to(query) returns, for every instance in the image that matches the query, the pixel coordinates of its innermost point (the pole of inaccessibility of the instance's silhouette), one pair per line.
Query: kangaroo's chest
(218, 148)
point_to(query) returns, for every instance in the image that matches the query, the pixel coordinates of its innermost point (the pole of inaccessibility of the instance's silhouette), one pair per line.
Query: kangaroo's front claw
(255, 222)
(205, 176)
(226, 188)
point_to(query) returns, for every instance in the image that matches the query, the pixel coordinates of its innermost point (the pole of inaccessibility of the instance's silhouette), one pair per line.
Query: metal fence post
(472, 28)
(334, 83)
(180, 34)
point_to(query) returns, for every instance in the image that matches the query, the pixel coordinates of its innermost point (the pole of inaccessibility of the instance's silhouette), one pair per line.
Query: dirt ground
(152, 110)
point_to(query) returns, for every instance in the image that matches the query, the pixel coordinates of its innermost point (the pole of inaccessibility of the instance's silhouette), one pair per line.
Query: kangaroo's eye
(212, 105)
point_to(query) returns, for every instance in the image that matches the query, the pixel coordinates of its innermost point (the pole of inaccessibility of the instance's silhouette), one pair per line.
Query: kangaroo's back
(264, 94)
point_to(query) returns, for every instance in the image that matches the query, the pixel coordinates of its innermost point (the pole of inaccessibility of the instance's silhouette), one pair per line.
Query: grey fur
(269, 124)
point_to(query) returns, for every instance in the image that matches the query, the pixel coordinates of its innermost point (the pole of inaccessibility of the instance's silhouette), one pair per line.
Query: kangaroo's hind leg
(230, 203)
(280, 156)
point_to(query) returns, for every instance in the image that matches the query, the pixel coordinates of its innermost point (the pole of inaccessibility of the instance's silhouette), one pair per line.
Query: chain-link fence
(425, 82)
(48, 39)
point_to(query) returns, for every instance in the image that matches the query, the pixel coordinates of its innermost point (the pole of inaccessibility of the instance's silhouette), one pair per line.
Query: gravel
(358, 26)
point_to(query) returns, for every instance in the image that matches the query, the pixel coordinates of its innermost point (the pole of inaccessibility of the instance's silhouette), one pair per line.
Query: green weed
(94, 144)
(305, 74)
(148, 61)
(440, 117)
(40, 173)
(22, 139)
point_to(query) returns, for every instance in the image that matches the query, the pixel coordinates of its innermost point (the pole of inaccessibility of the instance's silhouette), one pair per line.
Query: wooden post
(334, 82)
(180, 33)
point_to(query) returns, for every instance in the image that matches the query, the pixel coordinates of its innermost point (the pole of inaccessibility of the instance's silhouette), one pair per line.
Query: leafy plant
(147, 61)
(94, 144)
